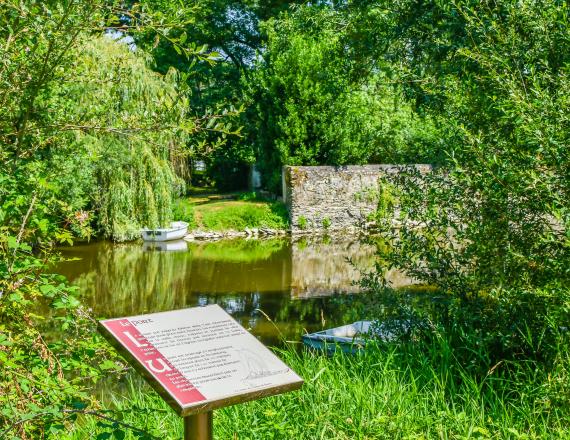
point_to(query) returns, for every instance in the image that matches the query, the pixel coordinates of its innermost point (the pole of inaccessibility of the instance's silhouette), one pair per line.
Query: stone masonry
(334, 197)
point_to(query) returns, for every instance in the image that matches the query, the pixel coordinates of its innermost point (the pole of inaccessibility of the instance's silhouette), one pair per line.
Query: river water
(276, 288)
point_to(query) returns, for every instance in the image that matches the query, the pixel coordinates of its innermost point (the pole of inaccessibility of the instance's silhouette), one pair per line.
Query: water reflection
(166, 246)
(289, 281)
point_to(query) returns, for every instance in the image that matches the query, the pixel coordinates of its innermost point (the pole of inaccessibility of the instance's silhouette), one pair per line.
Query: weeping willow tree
(127, 142)
(88, 138)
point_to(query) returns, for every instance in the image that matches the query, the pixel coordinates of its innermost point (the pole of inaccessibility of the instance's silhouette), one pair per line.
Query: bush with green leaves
(36, 384)
(87, 136)
(317, 104)
(496, 213)
(488, 228)
(44, 377)
(486, 231)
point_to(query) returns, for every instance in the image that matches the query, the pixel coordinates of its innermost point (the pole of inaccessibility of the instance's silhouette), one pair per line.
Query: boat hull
(350, 338)
(353, 338)
(177, 231)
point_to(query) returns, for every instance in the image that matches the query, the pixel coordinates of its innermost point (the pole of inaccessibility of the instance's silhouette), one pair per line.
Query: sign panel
(200, 358)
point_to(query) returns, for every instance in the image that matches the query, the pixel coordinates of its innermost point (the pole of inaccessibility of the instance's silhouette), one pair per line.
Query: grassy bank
(231, 212)
(404, 392)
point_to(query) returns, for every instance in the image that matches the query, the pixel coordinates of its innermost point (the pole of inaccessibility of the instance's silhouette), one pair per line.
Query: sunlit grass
(385, 393)
(228, 214)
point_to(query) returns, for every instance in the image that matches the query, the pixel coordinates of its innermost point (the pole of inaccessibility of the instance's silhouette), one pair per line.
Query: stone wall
(334, 197)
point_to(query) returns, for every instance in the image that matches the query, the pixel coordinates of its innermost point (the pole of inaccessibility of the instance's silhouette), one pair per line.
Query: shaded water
(296, 284)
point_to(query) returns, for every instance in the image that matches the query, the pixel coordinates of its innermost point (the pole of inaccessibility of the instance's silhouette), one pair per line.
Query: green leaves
(493, 215)
(318, 102)
(89, 136)
(15, 245)
(109, 365)
(5, 340)
(37, 376)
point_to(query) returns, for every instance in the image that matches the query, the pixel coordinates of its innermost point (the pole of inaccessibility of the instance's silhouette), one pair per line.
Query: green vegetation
(109, 154)
(307, 93)
(302, 222)
(227, 214)
(317, 103)
(496, 212)
(124, 182)
(89, 142)
(403, 392)
(98, 139)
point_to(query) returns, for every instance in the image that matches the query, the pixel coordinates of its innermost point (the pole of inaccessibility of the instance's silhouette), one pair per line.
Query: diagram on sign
(256, 367)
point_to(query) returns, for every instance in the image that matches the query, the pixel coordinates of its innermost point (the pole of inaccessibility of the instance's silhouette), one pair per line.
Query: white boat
(349, 338)
(352, 337)
(176, 231)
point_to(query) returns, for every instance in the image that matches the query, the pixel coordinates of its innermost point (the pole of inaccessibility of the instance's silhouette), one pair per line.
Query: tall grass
(407, 391)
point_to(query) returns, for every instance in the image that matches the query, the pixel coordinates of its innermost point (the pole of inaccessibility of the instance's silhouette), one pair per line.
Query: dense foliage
(96, 134)
(497, 213)
(316, 104)
(230, 29)
(489, 228)
(100, 136)
(88, 140)
(117, 166)
(35, 385)
(303, 94)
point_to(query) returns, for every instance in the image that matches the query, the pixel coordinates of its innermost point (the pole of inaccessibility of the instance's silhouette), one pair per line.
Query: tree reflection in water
(295, 284)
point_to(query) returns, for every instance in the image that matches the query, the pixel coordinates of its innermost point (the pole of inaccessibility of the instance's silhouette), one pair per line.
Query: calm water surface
(297, 284)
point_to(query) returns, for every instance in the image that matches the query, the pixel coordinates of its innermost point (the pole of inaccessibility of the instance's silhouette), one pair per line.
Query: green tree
(230, 29)
(118, 162)
(497, 212)
(85, 126)
(316, 104)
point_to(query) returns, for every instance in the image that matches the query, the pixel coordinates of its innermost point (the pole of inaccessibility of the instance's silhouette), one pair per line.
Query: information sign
(199, 359)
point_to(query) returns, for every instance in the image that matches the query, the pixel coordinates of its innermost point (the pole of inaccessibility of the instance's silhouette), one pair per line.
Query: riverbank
(218, 216)
(231, 214)
(398, 392)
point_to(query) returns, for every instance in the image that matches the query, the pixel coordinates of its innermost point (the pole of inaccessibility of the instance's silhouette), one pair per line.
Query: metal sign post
(199, 359)
(199, 426)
